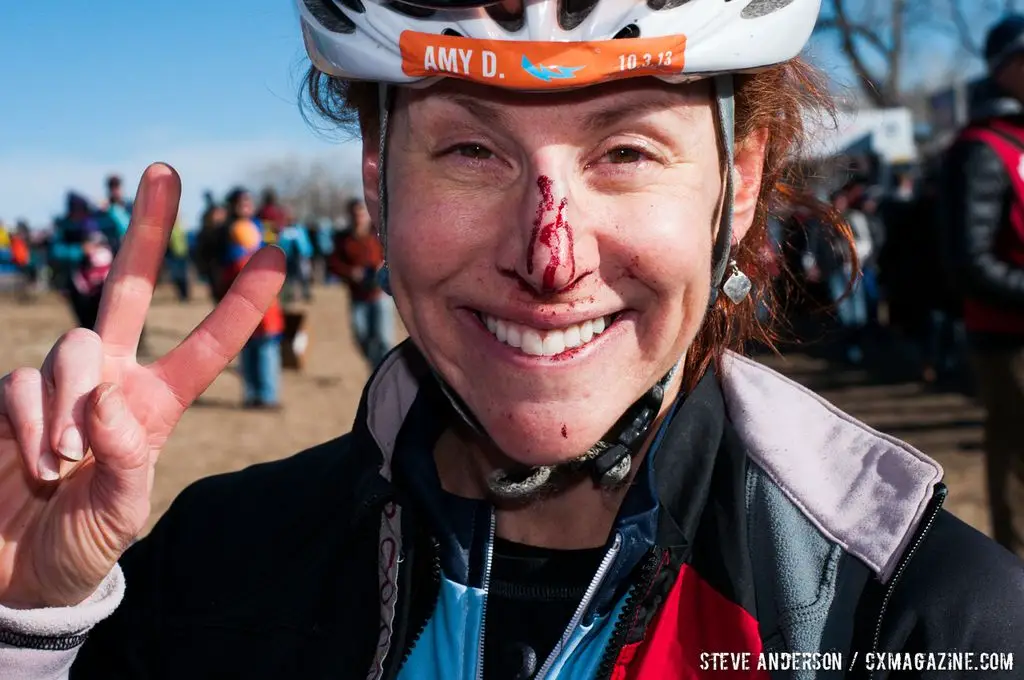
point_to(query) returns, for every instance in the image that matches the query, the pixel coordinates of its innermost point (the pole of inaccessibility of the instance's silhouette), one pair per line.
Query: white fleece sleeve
(41, 644)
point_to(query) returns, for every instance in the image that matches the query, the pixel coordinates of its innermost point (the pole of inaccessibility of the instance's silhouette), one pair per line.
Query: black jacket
(272, 572)
(976, 198)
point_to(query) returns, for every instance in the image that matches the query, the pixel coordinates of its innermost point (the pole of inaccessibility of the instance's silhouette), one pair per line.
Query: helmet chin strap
(385, 94)
(726, 115)
(609, 460)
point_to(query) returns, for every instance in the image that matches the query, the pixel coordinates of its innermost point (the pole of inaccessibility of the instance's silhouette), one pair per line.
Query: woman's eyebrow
(602, 117)
(485, 113)
(623, 110)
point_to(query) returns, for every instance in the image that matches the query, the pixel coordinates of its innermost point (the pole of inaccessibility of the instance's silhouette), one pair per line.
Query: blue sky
(94, 87)
(207, 85)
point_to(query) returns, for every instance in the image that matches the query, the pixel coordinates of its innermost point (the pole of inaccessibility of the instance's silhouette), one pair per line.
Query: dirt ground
(216, 436)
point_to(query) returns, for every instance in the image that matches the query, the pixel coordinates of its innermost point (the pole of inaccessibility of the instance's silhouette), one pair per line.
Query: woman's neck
(579, 515)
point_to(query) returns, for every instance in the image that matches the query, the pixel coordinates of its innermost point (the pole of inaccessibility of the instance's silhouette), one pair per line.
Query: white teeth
(532, 343)
(572, 337)
(514, 337)
(554, 344)
(586, 331)
(545, 342)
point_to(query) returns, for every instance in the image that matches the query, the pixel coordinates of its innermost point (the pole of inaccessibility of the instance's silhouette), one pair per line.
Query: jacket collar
(864, 490)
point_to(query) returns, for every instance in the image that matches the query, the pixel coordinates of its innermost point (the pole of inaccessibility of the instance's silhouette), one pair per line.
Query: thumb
(120, 446)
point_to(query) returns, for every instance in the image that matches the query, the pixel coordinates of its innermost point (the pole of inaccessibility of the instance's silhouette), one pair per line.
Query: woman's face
(551, 255)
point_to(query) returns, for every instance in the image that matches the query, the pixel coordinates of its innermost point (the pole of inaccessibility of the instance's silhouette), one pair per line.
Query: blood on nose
(551, 243)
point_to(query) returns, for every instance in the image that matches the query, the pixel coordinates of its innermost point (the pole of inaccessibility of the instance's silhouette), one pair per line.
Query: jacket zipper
(936, 507)
(622, 626)
(595, 583)
(435, 581)
(485, 586)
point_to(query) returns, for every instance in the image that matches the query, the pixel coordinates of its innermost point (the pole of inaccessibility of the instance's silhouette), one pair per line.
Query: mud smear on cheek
(551, 235)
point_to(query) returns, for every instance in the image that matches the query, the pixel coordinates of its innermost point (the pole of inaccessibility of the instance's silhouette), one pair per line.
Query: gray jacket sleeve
(41, 644)
(976, 200)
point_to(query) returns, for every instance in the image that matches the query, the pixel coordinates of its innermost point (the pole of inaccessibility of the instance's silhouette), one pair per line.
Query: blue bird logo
(549, 73)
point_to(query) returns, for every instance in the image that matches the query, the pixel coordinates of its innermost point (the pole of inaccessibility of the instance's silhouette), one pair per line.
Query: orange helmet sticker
(530, 65)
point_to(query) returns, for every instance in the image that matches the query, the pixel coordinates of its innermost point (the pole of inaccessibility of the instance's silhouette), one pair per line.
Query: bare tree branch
(858, 30)
(848, 33)
(963, 27)
(895, 51)
(887, 42)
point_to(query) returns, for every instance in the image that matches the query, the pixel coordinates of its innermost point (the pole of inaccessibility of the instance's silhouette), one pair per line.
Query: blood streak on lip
(551, 235)
(567, 354)
(565, 432)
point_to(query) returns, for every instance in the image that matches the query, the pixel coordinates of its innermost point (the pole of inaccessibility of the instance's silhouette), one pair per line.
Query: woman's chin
(549, 442)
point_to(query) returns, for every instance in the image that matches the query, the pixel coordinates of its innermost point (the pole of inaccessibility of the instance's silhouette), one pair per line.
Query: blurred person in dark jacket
(924, 308)
(116, 213)
(211, 243)
(984, 249)
(831, 261)
(74, 247)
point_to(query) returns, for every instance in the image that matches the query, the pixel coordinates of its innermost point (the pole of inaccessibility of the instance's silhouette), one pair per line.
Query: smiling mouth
(547, 342)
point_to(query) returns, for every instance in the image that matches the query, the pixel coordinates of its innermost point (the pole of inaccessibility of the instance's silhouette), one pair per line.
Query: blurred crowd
(900, 299)
(74, 258)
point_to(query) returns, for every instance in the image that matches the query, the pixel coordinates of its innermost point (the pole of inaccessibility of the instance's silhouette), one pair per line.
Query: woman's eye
(474, 151)
(625, 154)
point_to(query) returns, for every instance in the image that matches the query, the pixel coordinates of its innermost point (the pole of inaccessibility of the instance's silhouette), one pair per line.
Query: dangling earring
(737, 286)
(384, 278)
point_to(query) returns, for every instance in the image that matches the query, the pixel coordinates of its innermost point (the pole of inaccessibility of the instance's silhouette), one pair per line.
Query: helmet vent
(409, 10)
(330, 16)
(630, 31)
(760, 8)
(508, 20)
(572, 13)
(354, 5)
(658, 5)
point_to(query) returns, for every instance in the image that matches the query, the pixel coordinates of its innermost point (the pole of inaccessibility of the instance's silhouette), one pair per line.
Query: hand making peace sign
(79, 438)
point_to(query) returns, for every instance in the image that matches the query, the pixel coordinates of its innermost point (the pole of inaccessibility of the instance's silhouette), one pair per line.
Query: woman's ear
(747, 174)
(371, 176)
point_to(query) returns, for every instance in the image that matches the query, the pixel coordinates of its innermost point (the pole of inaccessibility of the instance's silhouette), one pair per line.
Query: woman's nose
(550, 261)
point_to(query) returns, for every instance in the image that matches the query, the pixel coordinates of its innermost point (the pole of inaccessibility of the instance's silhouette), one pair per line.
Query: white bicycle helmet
(389, 42)
(542, 45)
